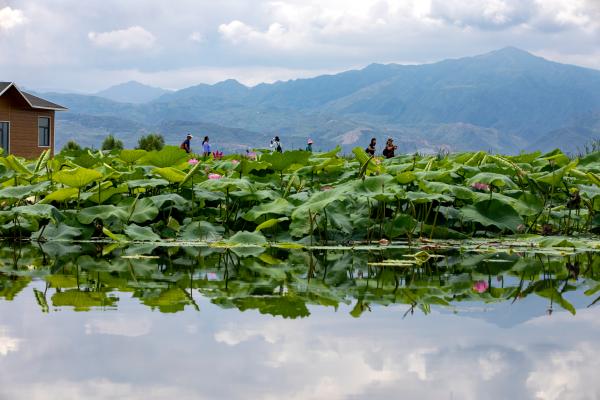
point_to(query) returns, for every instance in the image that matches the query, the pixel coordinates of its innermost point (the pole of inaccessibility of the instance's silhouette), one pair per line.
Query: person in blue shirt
(206, 147)
(186, 143)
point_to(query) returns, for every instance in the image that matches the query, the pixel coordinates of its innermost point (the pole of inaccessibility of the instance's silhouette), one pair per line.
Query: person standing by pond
(309, 145)
(390, 147)
(205, 147)
(276, 144)
(186, 145)
(370, 150)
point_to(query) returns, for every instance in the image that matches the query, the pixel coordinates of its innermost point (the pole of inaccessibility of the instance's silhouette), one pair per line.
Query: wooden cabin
(26, 122)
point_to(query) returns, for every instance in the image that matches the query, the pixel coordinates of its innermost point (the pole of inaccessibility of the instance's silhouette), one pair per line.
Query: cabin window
(44, 132)
(4, 137)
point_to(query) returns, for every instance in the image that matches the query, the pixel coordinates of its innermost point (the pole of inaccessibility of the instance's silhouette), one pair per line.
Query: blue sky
(89, 45)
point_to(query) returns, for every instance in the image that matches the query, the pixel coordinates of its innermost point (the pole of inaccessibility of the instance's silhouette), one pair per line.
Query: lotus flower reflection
(480, 286)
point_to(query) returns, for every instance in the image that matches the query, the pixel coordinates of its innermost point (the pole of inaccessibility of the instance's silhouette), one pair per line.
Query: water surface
(87, 321)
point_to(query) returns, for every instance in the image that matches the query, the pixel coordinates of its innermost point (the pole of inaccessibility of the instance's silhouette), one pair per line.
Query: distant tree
(71, 146)
(150, 142)
(112, 143)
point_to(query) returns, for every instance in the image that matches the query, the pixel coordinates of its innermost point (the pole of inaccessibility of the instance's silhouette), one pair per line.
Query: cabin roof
(35, 102)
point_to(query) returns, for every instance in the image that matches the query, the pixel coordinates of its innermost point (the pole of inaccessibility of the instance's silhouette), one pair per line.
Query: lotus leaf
(492, 213)
(142, 233)
(168, 156)
(77, 177)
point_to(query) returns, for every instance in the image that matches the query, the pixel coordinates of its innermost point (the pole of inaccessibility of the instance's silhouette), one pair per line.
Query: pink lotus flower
(192, 161)
(217, 155)
(235, 162)
(480, 286)
(251, 155)
(211, 276)
(480, 186)
(214, 176)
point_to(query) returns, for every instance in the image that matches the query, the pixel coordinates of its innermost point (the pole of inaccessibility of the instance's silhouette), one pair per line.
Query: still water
(90, 322)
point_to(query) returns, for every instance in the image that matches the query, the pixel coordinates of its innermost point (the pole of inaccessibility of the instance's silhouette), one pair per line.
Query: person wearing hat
(205, 147)
(390, 147)
(309, 145)
(186, 143)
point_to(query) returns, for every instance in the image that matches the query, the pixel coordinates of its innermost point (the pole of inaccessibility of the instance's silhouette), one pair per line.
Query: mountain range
(504, 101)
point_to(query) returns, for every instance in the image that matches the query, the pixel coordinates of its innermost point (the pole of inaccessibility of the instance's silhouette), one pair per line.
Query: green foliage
(151, 142)
(112, 143)
(71, 145)
(314, 199)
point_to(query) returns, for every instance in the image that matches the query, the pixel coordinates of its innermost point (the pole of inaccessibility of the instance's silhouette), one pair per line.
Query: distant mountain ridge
(506, 101)
(132, 92)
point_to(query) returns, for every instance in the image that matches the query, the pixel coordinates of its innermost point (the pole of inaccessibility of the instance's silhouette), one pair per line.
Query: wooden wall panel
(24, 125)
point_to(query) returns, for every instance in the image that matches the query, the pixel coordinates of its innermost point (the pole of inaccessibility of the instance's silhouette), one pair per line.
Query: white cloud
(196, 37)
(97, 389)
(7, 343)
(10, 18)
(119, 325)
(132, 38)
(570, 374)
(275, 35)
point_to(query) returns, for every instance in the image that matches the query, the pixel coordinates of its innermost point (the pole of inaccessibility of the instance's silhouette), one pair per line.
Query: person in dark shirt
(371, 148)
(390, 147)
(186, 143)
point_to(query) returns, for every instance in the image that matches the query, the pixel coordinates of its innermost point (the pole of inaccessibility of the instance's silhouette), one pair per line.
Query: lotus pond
(153, 275)
(297, 196)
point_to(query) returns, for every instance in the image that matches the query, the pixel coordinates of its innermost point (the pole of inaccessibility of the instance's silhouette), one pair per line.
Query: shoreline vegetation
(298, 197)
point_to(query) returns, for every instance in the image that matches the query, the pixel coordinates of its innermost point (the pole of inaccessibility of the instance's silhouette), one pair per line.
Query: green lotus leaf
(201, 231)
(168, 156)
(82, 301)
(270, 223)
(247, 166)
(405, 178)
(591, 192)
(24, 191)
(105, 194)
(105, 213)
(131, 156)
(283, 306)
(147, 183)
(555, 177)
(77, 177)
(169, 300)
(225, 184)
(140, 210)
(366, 162)
(492, 213)
(142, 233)
(38, 212)
(170, 200)
(42, 160)
(277, 207)
(422, 197)
(16, 165)
(491, 178)
(59, 195)
(190, 174)
(57, 232)
(400, 226)
(282, 161)
(171, 174)
(244, 238)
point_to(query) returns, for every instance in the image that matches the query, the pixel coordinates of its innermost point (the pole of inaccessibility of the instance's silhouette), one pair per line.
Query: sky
(86, 46)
